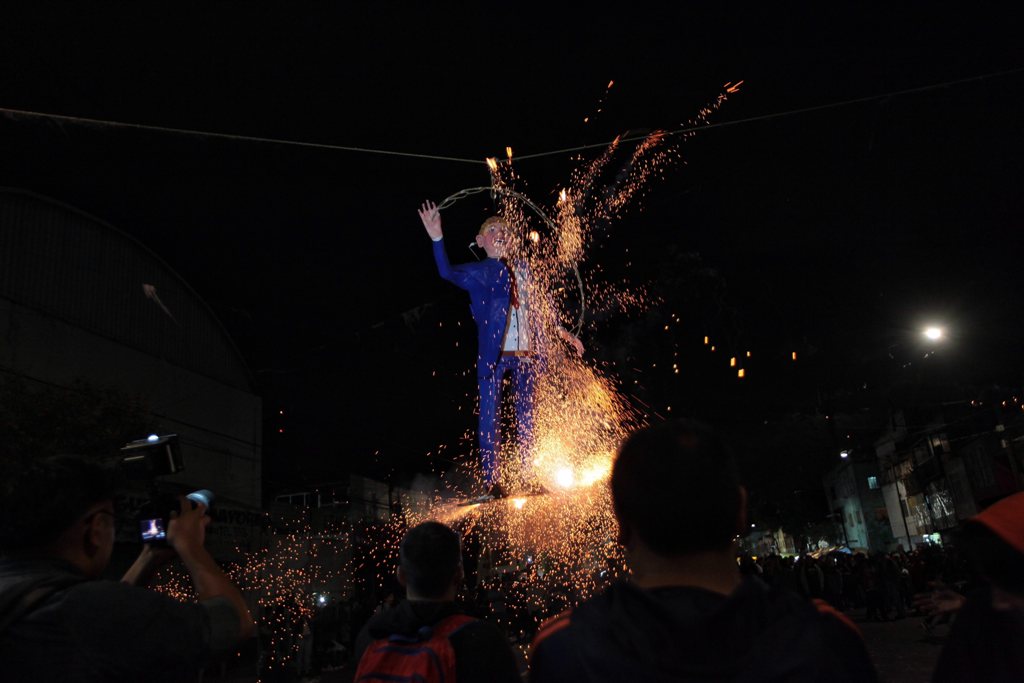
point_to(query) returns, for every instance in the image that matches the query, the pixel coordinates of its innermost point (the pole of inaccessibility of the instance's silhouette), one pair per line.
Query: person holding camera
(59, 620)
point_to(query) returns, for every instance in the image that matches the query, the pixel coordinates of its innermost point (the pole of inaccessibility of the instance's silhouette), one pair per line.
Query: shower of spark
(557, 548)
(295, 570)
(561, 546)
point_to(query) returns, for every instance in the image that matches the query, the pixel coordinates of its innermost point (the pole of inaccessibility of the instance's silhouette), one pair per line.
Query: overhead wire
(103, 123)
(86, 121)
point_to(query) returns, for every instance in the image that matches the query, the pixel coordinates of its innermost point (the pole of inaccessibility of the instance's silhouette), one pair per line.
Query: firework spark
(579, 417)
(559, 547)
(292, 572)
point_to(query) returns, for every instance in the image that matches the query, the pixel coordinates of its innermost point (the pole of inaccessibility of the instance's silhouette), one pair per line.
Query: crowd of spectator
(881, 584)
(690, 609)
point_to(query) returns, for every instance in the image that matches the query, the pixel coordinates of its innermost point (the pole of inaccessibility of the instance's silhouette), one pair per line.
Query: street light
(934, 333)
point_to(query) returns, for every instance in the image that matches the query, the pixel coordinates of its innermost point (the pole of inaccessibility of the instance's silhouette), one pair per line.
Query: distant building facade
(957, 460)
(356, 499)
(854, 492)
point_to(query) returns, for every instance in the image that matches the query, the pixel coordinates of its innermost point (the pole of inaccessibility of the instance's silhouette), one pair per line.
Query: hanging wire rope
(79, 120)
(450, 200)
(16, 113)
(779, 115)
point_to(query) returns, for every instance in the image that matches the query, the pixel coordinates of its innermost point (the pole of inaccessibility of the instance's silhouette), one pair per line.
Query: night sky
(836, 232)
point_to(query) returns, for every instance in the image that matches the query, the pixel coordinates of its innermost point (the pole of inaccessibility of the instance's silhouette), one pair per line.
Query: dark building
(942, 465)
(853, 489)
(82, 301)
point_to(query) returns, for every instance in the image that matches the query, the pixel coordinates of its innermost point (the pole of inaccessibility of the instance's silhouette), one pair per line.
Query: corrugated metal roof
(63, 262)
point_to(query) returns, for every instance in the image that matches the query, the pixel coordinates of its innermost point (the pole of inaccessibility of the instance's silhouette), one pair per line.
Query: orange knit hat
(1006, 520)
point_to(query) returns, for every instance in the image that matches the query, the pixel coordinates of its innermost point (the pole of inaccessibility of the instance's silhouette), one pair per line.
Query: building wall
(902, 521)
(73, 306)
(74, 267)
(950, 469)
(861, 508)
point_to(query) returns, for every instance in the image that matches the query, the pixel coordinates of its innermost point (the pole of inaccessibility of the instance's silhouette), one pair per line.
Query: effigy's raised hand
(431, 217)
(576, 344)
(571, 339)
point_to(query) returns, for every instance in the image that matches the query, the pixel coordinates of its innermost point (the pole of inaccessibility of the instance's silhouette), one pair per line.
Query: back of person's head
(675, 486)
(430, 556)
(994, 539)
(39, 502)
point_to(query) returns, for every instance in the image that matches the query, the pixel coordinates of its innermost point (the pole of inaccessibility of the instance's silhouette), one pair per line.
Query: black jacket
(688, 634)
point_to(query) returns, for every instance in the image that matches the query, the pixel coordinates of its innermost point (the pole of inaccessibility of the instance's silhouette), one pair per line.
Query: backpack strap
(448, 626)
(27, 596)
(445, 628)
(551, 626)
(828, 610)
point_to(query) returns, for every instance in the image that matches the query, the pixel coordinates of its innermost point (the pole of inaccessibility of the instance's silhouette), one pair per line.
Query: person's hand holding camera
(186, 532)
(186, 536)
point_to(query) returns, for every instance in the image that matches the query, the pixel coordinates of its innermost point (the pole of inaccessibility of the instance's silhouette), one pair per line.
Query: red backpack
(425, 657)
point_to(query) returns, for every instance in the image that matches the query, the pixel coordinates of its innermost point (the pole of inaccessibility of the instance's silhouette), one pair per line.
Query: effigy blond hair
(492, 221)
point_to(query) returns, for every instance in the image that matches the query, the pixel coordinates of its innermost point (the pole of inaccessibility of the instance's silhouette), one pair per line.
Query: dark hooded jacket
(98, 630)
(481, 651)
(689, 634)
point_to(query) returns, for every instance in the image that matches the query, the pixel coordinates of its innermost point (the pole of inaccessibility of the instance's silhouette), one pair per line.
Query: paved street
(901, 650)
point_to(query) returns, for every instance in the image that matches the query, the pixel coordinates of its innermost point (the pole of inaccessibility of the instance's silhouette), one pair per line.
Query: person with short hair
(686, 613)
(427, 634)
(60, 621)
(508, 342)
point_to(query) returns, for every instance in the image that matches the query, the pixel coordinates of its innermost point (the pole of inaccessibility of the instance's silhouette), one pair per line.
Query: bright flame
(508, 153)
(562, 196)
(564, 477)
(492, 163)
(597, 472)
(519, 503)
(534, 236)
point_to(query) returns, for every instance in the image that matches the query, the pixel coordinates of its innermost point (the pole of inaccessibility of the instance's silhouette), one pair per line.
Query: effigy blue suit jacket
(487, 283)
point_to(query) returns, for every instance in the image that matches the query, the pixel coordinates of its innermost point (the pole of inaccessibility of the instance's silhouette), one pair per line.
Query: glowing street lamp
(934, 333)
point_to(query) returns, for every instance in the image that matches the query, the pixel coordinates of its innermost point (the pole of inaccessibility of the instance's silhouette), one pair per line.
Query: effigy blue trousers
(523, 371)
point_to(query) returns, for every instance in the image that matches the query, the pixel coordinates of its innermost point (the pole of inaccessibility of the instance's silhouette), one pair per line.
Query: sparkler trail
(600, 102)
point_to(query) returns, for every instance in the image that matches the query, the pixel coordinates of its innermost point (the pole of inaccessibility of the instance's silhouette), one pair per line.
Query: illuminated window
(872, 482)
